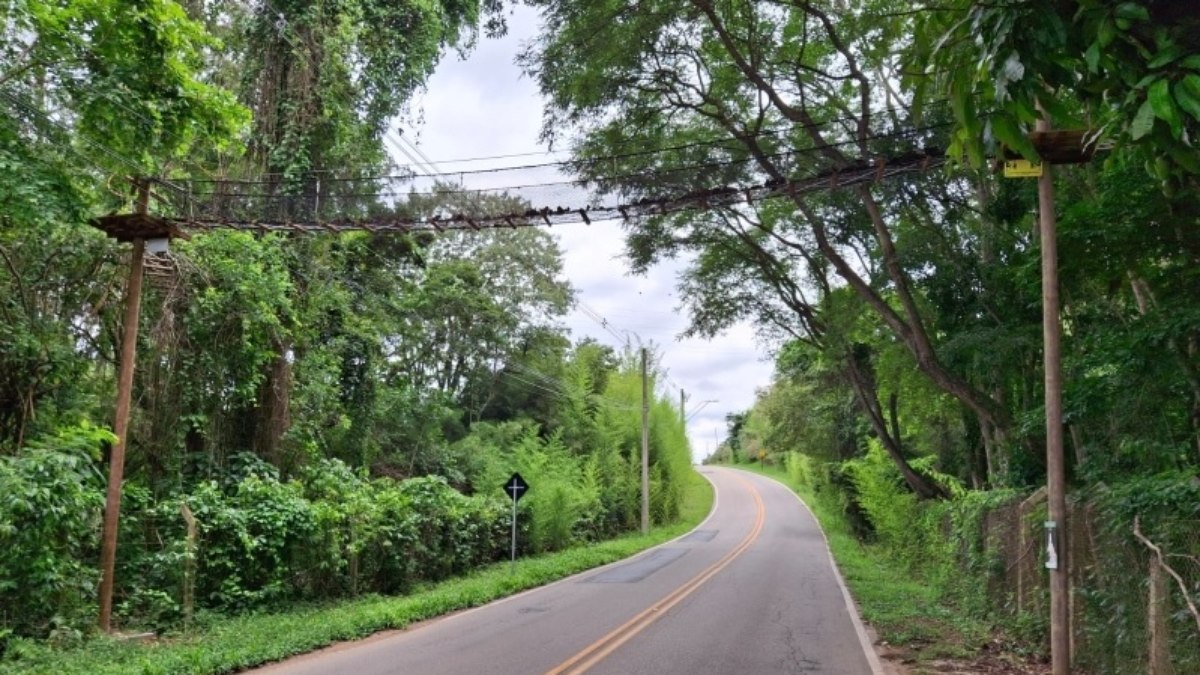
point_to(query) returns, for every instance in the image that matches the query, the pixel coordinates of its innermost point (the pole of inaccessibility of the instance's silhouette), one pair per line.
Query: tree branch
(1158, 554)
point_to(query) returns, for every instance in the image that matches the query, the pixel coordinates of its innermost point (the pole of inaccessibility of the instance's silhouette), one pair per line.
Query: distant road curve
(751, 590)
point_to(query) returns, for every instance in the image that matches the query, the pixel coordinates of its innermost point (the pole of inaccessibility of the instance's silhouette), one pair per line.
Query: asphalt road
(751, 590)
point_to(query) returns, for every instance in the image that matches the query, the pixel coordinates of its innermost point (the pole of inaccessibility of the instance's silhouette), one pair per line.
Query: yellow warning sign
(1022, 168)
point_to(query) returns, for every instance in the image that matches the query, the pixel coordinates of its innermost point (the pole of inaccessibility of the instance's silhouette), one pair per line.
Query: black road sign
(516, 487)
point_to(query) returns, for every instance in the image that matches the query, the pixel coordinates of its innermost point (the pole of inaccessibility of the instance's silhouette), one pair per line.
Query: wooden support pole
(1158, 622)
(116, 469)
(645, 447)
(189, 566)
(1060, 638)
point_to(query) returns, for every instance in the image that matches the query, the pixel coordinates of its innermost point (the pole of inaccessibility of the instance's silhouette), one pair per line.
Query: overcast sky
(483, 107)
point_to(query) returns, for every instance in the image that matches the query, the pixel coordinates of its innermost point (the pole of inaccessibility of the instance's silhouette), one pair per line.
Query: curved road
(751, 590)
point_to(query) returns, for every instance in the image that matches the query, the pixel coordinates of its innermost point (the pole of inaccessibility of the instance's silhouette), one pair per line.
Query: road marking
(600, 649)
(859, 629)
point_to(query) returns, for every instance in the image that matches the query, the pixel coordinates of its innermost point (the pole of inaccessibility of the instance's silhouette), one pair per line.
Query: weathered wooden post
(189, 567)
(136, 228)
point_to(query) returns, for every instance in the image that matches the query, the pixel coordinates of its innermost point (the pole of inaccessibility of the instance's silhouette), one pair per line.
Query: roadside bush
(444, 528)
(151, 558)
(248, 540)
(1115, 598)
(346, 518)
(561, 501)
(384, 535)
(51, 500)
(618, 490)
(329, 532)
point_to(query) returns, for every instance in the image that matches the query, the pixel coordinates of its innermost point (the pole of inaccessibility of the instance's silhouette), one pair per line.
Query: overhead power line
(572, 165)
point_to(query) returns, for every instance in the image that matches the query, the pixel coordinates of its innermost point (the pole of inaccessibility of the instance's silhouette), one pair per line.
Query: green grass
(905, 611)
(229, 644)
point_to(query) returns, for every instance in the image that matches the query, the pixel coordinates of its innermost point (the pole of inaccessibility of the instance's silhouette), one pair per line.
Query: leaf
(1165, 56)
(1132, 11)
(1008, 132)
(1092, 57)
(1143, 122)
(1106, 33)
(1164, 106)
(1192, 62)
(1185, 157)
(1025, 111)
(1187, 95)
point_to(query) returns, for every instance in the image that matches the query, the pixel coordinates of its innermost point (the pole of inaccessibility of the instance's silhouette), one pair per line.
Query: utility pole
(682, 407)
(138, 228)
(645, 447)
(1056, 529)
(116, 468)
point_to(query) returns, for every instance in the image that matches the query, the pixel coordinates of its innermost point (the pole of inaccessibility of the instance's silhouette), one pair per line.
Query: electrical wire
(648, 173)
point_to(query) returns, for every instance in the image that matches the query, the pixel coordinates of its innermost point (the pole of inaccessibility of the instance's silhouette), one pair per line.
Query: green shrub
(248, 540)
(51, 501)
(554, 516)
(881, 493)
(1115, 597)
(151, 558)
(329, 532)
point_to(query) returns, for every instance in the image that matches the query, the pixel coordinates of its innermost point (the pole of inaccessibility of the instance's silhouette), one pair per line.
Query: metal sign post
(516, 487)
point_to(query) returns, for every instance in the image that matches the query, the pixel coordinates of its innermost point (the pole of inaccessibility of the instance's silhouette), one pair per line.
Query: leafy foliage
(222, 644)
(334, 412)
(1130, 69)
(50, 499)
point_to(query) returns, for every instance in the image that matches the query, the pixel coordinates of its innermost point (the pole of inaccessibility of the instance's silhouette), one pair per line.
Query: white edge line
(859, 628)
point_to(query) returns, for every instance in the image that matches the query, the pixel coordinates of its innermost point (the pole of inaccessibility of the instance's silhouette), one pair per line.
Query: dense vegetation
(906, 311)
(314, 417)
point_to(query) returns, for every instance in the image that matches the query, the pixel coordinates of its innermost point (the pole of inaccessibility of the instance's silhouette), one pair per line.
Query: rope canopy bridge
(340, 206)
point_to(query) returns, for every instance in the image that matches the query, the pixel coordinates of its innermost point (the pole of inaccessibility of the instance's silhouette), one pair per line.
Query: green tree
(734, 94)
(92, 91)
(1127, 71)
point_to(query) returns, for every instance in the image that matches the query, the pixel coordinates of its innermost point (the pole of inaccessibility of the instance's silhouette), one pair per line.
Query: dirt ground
(991, 659)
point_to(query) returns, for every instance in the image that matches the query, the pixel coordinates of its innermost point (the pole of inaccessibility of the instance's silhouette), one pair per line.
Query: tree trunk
(866, 391)
(274, 400)
(909, 330)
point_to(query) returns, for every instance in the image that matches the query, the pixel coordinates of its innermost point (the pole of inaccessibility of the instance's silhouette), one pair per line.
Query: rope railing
(442, 209)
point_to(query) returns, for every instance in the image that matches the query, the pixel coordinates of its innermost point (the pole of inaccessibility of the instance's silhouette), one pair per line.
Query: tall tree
(91, 92)
(324, 81)
(741, 93)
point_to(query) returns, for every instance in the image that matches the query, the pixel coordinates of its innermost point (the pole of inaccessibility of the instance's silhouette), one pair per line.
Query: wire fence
(1132, 607)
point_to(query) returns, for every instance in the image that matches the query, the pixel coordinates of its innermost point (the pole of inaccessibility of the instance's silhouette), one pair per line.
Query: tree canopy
(934, 273)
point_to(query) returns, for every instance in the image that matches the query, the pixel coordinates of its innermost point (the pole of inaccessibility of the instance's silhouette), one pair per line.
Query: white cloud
(483, 107)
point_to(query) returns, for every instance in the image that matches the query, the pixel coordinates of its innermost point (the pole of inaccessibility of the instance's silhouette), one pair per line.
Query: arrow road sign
(516, 487)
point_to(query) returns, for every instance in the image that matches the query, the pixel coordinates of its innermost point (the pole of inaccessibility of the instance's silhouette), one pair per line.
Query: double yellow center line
(600, 649)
